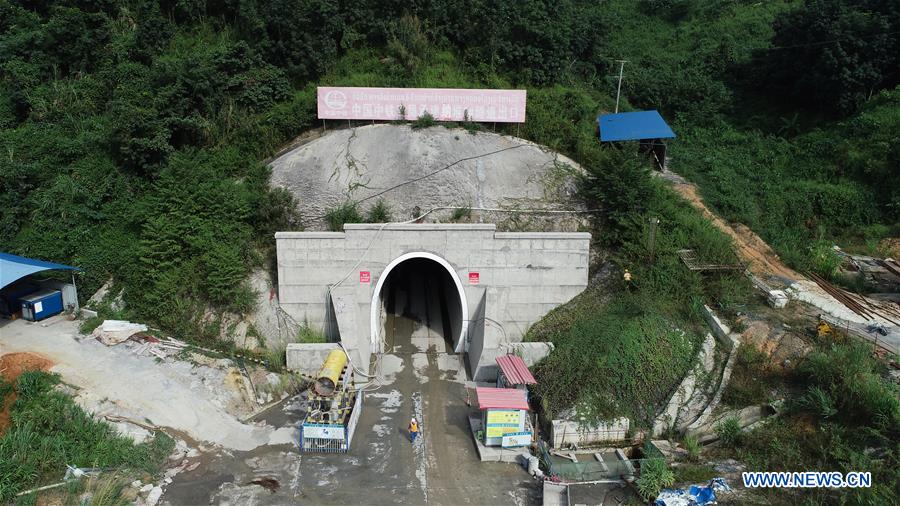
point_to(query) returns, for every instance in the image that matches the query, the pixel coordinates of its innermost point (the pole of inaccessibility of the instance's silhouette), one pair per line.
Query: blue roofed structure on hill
(646, 127)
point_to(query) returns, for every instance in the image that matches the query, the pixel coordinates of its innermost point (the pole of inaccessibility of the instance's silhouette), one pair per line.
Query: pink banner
(500, 106)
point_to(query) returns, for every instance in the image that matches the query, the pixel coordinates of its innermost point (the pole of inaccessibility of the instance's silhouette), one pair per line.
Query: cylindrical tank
(330, 373)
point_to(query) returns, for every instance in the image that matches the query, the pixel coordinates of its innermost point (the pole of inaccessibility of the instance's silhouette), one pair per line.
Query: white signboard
(516, 439)
(323, 431)
(38, 307)
(444, 104)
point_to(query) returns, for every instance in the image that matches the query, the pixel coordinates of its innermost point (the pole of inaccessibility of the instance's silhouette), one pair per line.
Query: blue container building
(41, 305)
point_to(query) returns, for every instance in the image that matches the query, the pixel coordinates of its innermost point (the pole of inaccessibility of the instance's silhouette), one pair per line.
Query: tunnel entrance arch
(377, 341)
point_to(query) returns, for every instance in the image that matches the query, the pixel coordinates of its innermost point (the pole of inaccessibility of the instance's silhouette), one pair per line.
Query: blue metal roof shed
(633, 126)
(14, 268)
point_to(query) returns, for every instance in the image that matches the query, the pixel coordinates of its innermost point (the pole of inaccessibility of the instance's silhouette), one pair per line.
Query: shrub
(380, 212)
(655, 475)
(819, 402)
(424, 121)
(348, 212)
(692, 445)
(848, 385)
(461, 212)
(729, 431)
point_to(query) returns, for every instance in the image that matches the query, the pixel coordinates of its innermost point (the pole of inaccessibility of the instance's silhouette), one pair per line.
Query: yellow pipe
(330, 373)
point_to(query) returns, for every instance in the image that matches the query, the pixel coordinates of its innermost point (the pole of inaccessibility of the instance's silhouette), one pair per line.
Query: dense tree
(834, 54)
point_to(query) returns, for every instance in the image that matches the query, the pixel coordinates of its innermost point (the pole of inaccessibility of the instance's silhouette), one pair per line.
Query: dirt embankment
(760, 258)
(12, 365)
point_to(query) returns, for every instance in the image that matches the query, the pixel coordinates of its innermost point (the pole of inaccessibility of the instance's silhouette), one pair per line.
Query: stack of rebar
(859, 305)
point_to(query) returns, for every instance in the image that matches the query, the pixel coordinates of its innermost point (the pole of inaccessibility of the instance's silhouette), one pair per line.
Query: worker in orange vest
(413, 430)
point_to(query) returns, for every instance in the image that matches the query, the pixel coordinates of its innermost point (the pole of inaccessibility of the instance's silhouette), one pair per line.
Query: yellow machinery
(823, 329)
(330, 373)
(333, 407)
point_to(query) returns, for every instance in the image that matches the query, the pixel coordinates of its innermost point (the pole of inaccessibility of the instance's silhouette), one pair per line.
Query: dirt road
(760, 258)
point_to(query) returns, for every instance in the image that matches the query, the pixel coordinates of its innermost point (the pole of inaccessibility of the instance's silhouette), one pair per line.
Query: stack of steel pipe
(867, 311)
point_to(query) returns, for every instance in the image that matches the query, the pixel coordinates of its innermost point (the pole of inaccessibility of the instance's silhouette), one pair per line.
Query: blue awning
(14, 267)
(633, 126)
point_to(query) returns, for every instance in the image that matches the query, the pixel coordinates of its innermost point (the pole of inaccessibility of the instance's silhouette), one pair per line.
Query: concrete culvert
(421, 308)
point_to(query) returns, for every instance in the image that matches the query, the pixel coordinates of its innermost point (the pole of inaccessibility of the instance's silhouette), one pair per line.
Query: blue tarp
(633, 126)
(695, 495)
(14, 267)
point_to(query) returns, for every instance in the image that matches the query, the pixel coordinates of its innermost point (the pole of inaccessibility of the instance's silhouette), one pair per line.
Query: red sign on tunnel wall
(365, 277)
(473, 278)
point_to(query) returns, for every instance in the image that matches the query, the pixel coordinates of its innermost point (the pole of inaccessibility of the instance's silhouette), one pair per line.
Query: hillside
(136, 136)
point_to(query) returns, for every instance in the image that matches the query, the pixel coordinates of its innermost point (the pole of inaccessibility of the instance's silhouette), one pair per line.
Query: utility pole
(654, 222)
(619, 89)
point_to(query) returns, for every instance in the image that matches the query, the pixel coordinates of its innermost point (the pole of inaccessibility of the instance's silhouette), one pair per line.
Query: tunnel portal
(420, 308)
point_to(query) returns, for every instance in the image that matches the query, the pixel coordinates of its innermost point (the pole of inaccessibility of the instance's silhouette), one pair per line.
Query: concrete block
(566, 432)
(718, 328)
(307, 358)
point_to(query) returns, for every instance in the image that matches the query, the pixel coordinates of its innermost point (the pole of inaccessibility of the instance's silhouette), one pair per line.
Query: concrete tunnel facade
(504, 281)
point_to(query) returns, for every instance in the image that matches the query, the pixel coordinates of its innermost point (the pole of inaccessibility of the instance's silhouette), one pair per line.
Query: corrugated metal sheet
(633, 126)
(515, 370)
(501, 398)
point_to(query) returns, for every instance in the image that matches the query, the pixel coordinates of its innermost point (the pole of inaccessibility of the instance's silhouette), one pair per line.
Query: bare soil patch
(12, 365)
(751, 249)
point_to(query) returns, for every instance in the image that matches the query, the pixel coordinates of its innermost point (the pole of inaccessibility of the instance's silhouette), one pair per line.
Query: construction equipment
(334, 407)
(824, 330)
(330, 373)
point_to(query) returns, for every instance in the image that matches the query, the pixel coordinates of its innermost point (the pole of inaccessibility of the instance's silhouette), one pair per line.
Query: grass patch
(620, 361)
(752, 379)
(89, 324)
(50, 431)
(729, 432)
(694, 473)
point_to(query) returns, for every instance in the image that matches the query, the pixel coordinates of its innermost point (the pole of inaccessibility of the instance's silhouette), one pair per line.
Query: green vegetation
(424, 121)
(380, 212)
(692, 445)
(310, 334)
(753, 378)
(655, 475)
(348, 212)
(49, 431)
(132, 134)
(845, 418)
(729, 431)
(694, 473)
(461, 213)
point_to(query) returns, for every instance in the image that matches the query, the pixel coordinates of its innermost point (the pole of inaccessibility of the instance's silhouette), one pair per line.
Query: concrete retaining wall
(483, 365)
(521, 276)
(565, 432)
(719, 328)
(307, 359)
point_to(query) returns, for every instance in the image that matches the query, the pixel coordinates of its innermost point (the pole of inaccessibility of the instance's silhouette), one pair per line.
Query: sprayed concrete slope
(362, 162)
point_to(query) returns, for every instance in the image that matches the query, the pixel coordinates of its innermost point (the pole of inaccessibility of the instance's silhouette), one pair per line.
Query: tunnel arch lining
(376, 342)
